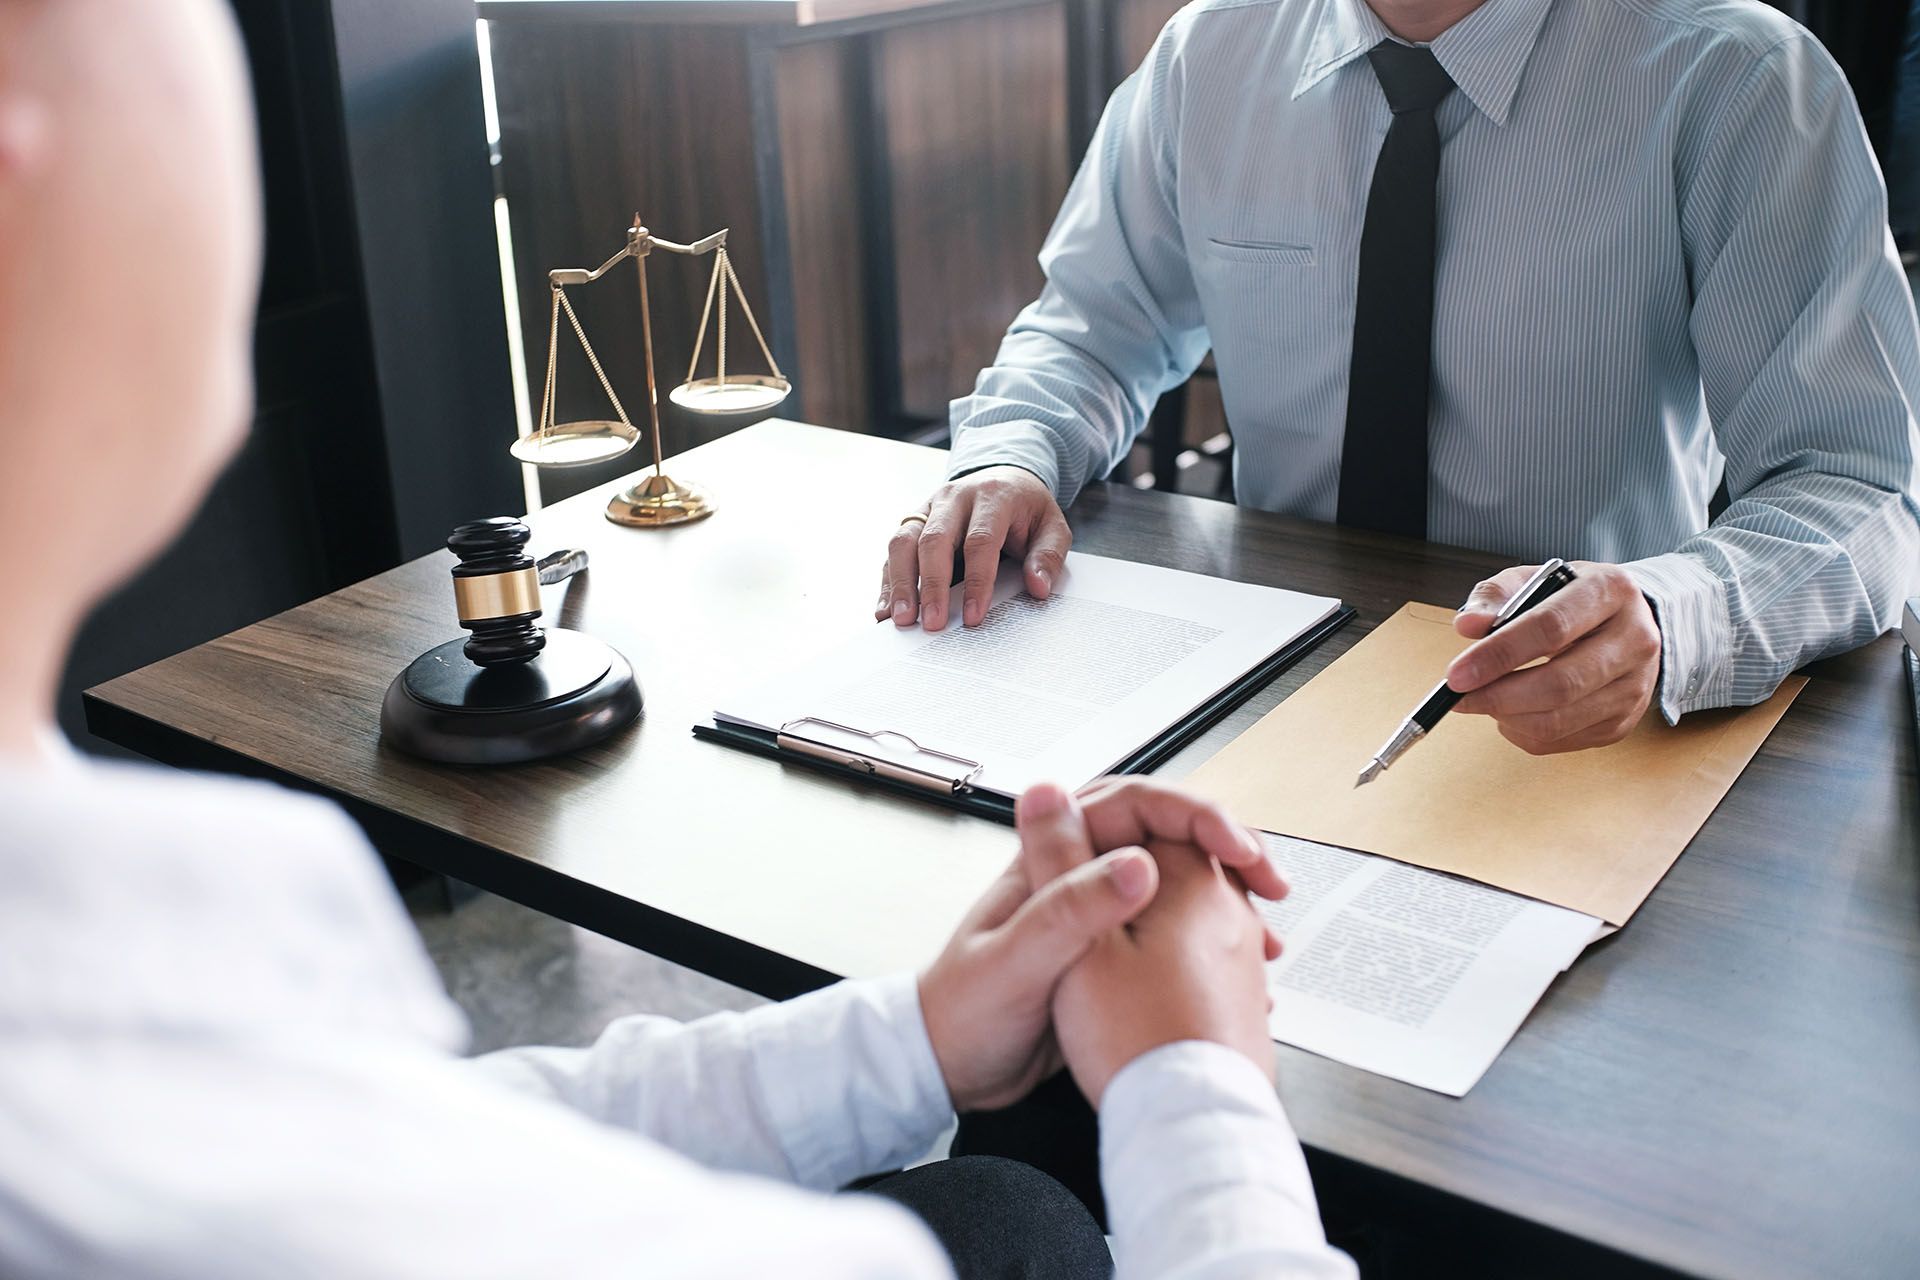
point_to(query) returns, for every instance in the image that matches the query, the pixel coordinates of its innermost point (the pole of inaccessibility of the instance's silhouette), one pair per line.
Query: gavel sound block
(511, 691)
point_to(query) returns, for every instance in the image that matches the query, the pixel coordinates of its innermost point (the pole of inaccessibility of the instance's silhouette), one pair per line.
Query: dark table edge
(741, 964)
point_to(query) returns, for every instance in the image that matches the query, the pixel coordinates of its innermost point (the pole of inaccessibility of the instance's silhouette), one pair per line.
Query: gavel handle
(560, 566)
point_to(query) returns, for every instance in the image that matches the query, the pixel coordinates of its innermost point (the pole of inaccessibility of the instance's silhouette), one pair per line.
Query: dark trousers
(1000, 1219)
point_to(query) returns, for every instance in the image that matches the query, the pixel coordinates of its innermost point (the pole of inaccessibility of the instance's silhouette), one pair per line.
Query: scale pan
(740, 393)
(575, 444)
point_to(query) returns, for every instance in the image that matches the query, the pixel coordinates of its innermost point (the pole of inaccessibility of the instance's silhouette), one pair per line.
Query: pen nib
(1373, 770)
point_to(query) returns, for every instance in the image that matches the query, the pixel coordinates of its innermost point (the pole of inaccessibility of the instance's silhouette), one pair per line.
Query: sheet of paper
(1406, 972)
(1590, 830)
(1061, 689)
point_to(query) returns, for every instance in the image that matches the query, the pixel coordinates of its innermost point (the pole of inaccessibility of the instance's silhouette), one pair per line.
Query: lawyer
(1519, 275)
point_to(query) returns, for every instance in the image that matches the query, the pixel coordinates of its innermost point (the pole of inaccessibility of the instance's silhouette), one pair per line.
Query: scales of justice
(658, 500)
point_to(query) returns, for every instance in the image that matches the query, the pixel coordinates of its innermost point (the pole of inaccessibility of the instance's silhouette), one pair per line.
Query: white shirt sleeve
(1203, 1175)
(817, 1091)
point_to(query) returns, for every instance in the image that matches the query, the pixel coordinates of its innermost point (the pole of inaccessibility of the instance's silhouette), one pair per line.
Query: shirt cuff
(1006, 444)
(851, 1082)
(1696, 632)
(1203, 1173)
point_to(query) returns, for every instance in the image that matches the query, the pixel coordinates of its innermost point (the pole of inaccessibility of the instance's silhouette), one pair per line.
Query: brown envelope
(1591, 830)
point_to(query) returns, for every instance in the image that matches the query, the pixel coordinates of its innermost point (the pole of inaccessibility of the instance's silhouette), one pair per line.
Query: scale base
(659, 501)
(445, 707)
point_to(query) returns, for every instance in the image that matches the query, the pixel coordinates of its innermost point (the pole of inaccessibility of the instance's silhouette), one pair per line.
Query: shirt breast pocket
(1268, 252)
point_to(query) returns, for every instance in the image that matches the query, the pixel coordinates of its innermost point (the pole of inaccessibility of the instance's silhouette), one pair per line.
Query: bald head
(129, 261)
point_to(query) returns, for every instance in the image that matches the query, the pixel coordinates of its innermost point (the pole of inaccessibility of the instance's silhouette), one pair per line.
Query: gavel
(512, 690)
(496, 588)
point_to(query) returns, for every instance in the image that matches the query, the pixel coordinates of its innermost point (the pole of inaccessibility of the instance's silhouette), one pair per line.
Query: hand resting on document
(977, 518)
(1083, 878)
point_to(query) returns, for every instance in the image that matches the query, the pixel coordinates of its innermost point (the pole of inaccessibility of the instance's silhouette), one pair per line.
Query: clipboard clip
(790, 739)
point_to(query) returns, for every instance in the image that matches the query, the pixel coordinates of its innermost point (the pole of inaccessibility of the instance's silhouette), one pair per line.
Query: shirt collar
(1485, 52)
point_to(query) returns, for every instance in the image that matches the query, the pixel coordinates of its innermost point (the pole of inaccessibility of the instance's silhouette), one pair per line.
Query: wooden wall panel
(975, 132)
(818, 131)
(1136, 24)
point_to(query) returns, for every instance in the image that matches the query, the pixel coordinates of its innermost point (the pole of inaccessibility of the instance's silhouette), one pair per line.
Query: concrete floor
(526, 978)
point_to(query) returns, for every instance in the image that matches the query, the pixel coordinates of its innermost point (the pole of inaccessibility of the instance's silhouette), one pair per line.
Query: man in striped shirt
(1659, 262)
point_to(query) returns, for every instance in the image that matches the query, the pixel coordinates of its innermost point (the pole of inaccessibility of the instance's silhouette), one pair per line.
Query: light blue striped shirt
(1663, 250)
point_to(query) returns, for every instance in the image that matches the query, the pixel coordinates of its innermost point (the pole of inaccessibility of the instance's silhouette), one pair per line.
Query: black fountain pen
(1552, 576)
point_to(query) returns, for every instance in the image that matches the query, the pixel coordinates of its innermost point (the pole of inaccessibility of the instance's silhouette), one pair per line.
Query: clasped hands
(1123, 924)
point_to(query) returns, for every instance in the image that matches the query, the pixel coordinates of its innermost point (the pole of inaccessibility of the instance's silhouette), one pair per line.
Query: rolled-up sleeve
(1203, 1175)
(1119, 320)
(1804, 328)
(816, 1091)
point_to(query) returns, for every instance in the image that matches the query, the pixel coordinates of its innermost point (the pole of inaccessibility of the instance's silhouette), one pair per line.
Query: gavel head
(496, 588)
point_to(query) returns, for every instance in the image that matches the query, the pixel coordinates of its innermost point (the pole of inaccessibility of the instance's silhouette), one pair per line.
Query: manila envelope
(1590, 830)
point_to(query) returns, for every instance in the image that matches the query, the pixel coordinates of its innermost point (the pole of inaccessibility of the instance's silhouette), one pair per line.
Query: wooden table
(1730, 1086)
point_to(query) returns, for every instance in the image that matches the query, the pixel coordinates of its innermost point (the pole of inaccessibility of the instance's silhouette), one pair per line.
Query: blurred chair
(1165, 439)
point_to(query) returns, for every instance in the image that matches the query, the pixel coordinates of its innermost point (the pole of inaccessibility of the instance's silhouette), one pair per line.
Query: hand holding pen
(1602, 665)
(1546, 580)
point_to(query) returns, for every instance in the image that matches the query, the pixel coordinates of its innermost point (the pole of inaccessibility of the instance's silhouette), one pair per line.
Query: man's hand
(987, 1000)
(1602, 647)
(1187, 968)
(978, 517)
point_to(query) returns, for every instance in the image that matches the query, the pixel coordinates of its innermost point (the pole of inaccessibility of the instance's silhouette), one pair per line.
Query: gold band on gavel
(498, 595)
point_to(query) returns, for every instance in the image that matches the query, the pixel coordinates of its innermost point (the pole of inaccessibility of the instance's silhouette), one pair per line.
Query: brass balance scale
(657, 501)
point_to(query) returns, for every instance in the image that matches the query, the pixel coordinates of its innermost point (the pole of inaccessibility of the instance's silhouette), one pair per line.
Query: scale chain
(706, 312)
(752, 323)
(553, 353)
(561, 299)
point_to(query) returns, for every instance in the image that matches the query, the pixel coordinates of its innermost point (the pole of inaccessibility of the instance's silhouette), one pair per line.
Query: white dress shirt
(1663, 253)
(223, 1053)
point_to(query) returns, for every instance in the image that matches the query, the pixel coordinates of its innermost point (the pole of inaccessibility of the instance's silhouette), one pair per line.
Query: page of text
(1061, 689)
(1410, 973)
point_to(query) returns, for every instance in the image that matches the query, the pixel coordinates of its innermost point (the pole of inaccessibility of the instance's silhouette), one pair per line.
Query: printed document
(1407, 972)
(1061, 689)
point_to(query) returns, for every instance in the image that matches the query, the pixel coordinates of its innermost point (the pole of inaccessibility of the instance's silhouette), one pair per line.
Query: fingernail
(973, 613)
(934, 616)
(1251, 842)
(902, 611)
(880, 605)
(1128, 872)
(1044, 800)
(1046, 578)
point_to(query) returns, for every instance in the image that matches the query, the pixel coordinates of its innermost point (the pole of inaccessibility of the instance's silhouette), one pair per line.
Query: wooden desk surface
(1730, 1086)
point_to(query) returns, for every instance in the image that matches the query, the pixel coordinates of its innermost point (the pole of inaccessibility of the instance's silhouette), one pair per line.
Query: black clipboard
(986, 804)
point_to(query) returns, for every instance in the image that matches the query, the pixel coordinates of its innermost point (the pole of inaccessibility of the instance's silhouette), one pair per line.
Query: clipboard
(946, 777)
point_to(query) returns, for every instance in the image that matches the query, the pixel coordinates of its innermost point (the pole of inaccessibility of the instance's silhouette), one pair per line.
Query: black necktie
(1383, 464)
